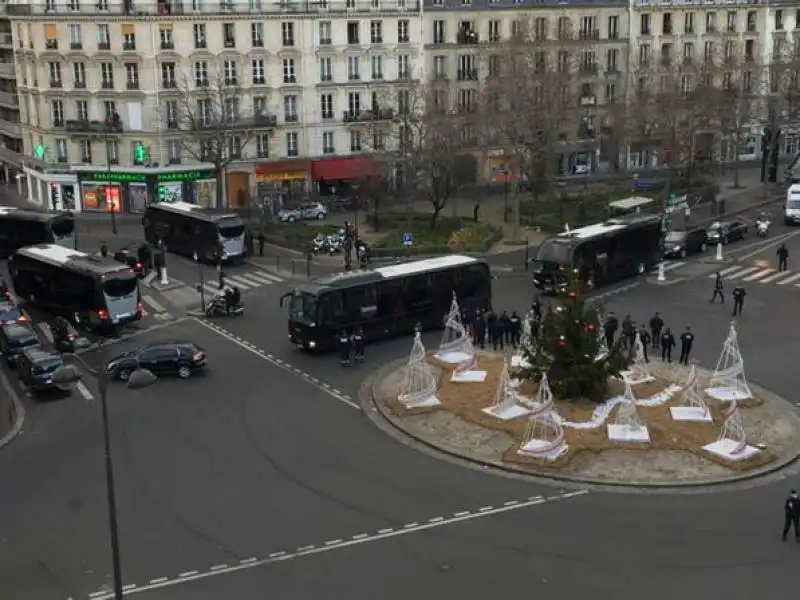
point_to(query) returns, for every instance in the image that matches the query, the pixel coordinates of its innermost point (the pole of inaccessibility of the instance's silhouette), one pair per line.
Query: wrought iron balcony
(76, 46)
(589, 34)
(256, 121)
(167, 45)
(467, 36)
(128, 46)
(377, 114)
(169, 84)
(104, 45)
(94, 127)
(468, 75)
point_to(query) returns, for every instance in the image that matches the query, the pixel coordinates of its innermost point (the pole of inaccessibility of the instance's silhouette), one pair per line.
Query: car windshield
(793, 204)
(676, 236)
(47, 365)
(121, 284)
(62, 226)
(9, 312)
(556, 251)
(303, 307)
(21, 336)
(231, 227)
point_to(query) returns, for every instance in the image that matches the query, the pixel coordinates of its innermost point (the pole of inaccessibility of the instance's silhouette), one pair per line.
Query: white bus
(93, 291)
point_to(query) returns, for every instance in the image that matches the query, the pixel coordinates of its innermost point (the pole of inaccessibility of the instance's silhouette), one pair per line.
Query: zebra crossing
(670, 266)
(246, 281)
(759, 274)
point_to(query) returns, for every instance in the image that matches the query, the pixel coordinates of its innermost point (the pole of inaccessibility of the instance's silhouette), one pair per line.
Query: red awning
(344, 169)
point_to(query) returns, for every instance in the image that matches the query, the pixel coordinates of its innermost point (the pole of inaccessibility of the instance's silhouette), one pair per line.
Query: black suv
(679, 244)
(35, 367)
(15, 338)
(180, 358)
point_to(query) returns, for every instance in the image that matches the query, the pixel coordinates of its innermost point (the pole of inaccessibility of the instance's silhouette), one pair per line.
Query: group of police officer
(656, 337)
(487, 327)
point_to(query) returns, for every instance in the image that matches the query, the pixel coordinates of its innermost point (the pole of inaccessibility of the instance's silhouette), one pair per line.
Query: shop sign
(284, 176)
(117, 177)
(185, 176)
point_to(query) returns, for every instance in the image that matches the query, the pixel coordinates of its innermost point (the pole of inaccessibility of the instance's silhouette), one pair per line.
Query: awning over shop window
(345, 169)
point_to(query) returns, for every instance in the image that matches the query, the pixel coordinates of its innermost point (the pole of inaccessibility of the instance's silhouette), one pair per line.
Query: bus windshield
(555, 251)
(303, 307)
(230, 228)
(62, 227)
(119, 285)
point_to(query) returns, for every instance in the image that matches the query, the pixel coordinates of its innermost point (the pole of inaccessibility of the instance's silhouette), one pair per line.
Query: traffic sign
(408, 239)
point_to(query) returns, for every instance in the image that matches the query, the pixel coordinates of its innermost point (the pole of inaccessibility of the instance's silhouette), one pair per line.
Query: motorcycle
(216, 307)
(318, 244)
(67, 341)
(762, 226)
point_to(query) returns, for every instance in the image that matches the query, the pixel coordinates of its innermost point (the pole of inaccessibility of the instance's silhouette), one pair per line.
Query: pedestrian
(505, 326)
(491, 325)
(516, 329)
(249, 240)
(359, 341)
(345, 346)
(627, 327)
(497, 334)
(667, 344)
(536, 307)
(718, 289)
(656, 325)
(738, 299)
(261, 241)
(104, 250)
(644, 336)
(610, 329)
(791, 509)
(158, 262)
(632, 335)
(783, 257)
(479, 333)
(687, 339)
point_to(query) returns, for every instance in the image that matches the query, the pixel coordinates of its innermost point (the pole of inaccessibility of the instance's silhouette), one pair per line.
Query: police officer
(687, 339)
(738, 299)
(498, 334)
(610, 329)
(516, 329)
(718, 289)
(479, 327)
(627, 327)
(505, 326)
(261, 240)
(358, 345)
(656, 325)
(644, 336)
(783, 257)
(791, 509)
(491, 326)
(536, 307)
(104, 250)
(345, 347)
(667, 344)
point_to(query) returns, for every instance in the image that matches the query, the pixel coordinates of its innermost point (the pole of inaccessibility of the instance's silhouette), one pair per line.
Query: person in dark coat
(345, 348)
(783, 254)
(491, 325)
(738, 299)
(791, 509)
(687, 340)
(358, 345)
(505, 326)
(644, 336)
(261, 240)
(718, 289)
(497, 334)
(516, 329)
(656, 325)
(536, 307)
(667, 344)
(628, 326)
(610, 329)
(479, 333)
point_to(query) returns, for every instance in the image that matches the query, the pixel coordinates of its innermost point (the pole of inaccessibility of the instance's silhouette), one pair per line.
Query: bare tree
(783, 100)
(215, 124)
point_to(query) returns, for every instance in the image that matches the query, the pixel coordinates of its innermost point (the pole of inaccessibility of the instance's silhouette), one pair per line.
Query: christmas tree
(570, 351)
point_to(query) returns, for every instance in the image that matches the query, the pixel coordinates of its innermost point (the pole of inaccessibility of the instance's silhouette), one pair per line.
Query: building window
(61, 151)
(376, 32)
(378, 140)
(290, 109)
(110, 109)
(112, 152)
(711, 22)
(291, 144)
(57, 113)
(132, 76)
(328, 145)
(201, 73)
(288, 71)
(165, 36)
(494, 31)
(666, 24)
(402, 32)
(438, 32)
(258, 71)
(257, 35)
(287, 34)
(688, 23)
(440, 66)
(75, 38)
(234, 147)
(107, 76)
(613, 28)
(171, 114)
(377, 67)
(200, 38)
(229, 35)
(644, 28)
(612, 60)
(779, 20)
(353, 68)
(403, 66)
(103, 37)
(355, 141)
(50, 36)
(752, 21)
(55, 74)
(203, 112)
(174, 151)
(229, 70)
(230, 110)
(79, 74)
(354, 104)
(168, 79)
(731, 21)
(326, 106)
(86, 151)
(325, 69)
(325, 33)
(353, 32)
(262, 145)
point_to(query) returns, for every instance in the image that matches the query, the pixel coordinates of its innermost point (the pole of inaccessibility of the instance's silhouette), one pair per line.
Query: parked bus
(93, 291)
(386, 301)
(192, 230)
(25, 227)
(600, 253)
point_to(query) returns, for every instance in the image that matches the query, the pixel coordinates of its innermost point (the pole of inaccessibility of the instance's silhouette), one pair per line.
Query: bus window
(361, 302)
(332, 309)
(417, 293)
(443, 283)
(62, 227)
(231, 228)
(555, 251)
(120, 286)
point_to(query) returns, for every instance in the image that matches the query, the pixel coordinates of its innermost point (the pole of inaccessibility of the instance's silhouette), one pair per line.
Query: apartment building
(460, 34)
(10, 131)
(105, 89)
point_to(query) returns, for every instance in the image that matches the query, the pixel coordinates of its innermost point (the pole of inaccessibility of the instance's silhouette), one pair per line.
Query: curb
(19, 412)
(367, 400)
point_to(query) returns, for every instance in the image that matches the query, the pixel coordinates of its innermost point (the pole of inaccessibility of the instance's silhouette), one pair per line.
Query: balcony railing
(51, 44)
(169, 84)
(104, 45)
(589, 34)
(167, 45)
(185, 7)
(242, 122)
(106, 85)
(132, 85)
(10, 128)
(97, 127)
(380, 114)
(76, 45)
(466, 36)
(8, 99)
(128, 46)
(468, 75)
(79, 85)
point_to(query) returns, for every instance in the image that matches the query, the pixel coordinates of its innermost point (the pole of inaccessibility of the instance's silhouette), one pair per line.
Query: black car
(129, 257)
(10, 312)
(180, 358)
(726, 231)
(15, 338)
(35, 367)
(679, 244)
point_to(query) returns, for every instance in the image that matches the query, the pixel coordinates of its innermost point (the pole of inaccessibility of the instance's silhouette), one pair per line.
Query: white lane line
(360, 536)
(435, 519)
(724, 272)
(789, 279)
(485, 509)
(247, 561)
(265, 275)
(278, 363)
(277, 554)
(241, 282)
(463, 513)
(159, 580)
(758, 275)
(777, 275)
(153, 303)
(219, 567)
(385, 531)
(129, 587)
(46, 331)
(742, 273)
(188, 574)
(84, 391)
(411, 525)
(312, 550)
(256, 281)
(510, 503)
(333, 542)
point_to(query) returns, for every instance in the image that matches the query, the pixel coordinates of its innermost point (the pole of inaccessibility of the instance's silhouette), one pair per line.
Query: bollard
(662, 275)
(719, 252)
(164, 280)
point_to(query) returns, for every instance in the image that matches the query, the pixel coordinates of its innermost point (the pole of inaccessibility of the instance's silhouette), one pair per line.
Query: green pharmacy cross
(39, 151)
(139, 154)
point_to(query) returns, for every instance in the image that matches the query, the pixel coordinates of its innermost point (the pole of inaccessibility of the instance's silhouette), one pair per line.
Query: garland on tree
(567, 350)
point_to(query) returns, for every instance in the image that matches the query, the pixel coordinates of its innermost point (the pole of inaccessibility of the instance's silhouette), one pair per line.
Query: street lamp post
(68, 376)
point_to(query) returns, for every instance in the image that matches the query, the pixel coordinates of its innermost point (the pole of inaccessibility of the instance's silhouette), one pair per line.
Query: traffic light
(139, 154)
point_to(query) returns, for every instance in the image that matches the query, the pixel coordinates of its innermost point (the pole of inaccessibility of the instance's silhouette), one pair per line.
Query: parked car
(304, 212)
(35, 367)
(10, 312)
(726, 231)
(180, 358)
(679, 244)
(15, 338)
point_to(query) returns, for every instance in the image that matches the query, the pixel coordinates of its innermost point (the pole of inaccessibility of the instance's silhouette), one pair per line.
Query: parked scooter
(218, 307)
(762, 225)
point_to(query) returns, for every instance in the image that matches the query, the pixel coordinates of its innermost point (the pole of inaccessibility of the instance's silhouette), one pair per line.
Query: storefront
(282, 182)
(337, 175)
(55, 190)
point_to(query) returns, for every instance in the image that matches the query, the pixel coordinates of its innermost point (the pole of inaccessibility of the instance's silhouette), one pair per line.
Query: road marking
(84, 391)
(777, 275)
(742, 273)
(333, 542)
(160, 580)
(358, 536)
(410, 525)
(129, 587)
(311, 550)
(463, 513)
(771, 244)
(247, 561)
(277, 554)
(343, 398)
(510, 503)
(188, 574)
(219, 567)
(153, 303)
(435, 519)
(789, 279)
(724, 272)
(484, 509)
(241, 282)
(758, 275)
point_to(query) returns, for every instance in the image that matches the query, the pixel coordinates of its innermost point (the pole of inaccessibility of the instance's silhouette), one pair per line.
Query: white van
(791, 209)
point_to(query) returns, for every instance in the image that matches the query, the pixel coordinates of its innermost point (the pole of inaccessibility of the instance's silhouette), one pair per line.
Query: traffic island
(677, 427)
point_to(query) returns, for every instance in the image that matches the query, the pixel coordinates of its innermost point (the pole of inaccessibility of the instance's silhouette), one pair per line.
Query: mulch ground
(467, 401)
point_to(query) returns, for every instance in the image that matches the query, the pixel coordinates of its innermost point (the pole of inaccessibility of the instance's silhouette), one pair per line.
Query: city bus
(92, 291)
(195, 231)
(599, 254)
(387, 301)
(21, 227)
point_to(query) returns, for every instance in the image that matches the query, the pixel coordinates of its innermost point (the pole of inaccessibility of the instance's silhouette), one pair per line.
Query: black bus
(189, 229)
(600, 253)
(93, 291)
(386, 301)
(20, 227)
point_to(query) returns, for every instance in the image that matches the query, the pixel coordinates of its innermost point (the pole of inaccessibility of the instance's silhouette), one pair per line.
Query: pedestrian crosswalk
(759, 274)
(670, 265)
(245, 281)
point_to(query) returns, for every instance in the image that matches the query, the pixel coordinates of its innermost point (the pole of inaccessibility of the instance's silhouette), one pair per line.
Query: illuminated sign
(186, 176)
(118, 177)
(160, 177)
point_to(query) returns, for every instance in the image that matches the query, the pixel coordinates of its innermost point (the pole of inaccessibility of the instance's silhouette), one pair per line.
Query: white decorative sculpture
(508, 403)
(466, 369)
(544, 437)
(627, 427)
(639, 372)
(728, 382)
(452, 348)
(419, 383)
(694, 408)
(602, 346)
(732, 442)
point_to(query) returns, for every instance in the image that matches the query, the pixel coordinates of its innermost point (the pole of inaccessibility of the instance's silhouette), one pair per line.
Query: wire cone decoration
(627, 413)
(638, 372)
(544, 436)
(691, 395)
(728, 383)
(419, 382)
(733, 429)
(454, 331)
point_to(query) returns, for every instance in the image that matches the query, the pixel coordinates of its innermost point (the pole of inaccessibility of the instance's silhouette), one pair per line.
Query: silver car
(304, 212)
